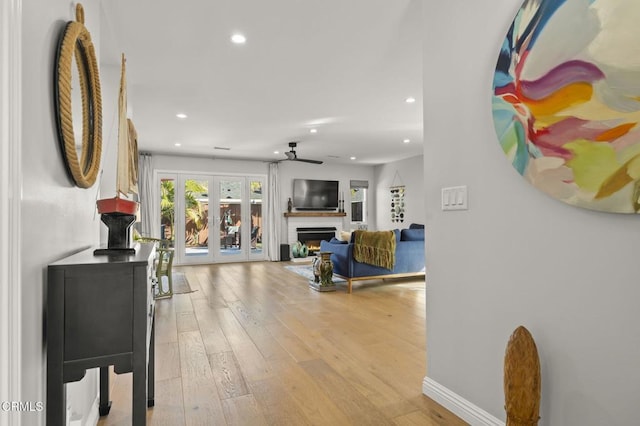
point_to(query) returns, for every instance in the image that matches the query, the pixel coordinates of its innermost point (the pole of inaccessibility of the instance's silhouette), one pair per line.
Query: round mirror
(78, 102)
(76, 106)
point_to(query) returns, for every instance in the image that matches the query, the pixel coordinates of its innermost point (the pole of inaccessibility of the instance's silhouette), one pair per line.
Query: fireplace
(311, 237)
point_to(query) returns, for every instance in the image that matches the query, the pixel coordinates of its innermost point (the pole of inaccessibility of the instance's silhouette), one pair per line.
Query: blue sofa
(410, 257)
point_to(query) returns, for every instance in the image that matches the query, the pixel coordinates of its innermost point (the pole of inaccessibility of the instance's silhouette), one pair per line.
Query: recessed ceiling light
(406, 140)
(276, 152)
(410, 100)
(238, 39)
(353, 158)
(181, 115)
(177, 144)
(313, 131)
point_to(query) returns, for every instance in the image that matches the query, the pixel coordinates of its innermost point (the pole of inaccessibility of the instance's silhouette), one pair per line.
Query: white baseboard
(459, 406)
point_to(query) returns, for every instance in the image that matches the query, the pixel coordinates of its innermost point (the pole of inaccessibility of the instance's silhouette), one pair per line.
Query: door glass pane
(196, 221)
(256, 198)
(230, 216)
(168, 210)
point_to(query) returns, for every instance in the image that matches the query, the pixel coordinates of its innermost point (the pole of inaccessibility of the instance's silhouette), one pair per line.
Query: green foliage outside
(196, 212)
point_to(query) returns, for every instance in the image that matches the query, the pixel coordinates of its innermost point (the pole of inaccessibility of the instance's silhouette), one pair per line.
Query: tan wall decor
(522, 382)
(75, 48)
(133, 152)
(397, 199)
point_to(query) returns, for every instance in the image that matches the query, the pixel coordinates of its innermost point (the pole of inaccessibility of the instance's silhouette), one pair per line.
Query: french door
(238, 217)
(213, 218)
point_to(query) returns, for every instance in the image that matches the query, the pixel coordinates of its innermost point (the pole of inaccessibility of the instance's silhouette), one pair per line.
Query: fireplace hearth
(311, 237)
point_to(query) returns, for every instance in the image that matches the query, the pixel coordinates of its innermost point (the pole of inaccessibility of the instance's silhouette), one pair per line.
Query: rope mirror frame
(75, 42)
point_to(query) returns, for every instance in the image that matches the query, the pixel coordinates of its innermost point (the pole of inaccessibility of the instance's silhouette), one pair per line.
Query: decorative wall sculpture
(522, 379)
(397, 199)
(397, 204)
(566, 101)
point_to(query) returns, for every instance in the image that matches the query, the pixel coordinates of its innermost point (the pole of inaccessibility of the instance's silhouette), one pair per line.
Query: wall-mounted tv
(310, 194)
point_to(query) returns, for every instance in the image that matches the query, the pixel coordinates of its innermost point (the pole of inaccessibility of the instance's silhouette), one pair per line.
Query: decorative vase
(289, 205)
(299, 250)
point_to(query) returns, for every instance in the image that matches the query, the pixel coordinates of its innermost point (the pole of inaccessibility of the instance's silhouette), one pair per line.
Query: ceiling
(344, 68)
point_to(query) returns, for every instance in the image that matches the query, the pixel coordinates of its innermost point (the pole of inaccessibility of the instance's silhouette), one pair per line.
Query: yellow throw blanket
(376, 248)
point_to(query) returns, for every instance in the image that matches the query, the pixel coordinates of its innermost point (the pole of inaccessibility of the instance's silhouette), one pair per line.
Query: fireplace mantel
(315, 214)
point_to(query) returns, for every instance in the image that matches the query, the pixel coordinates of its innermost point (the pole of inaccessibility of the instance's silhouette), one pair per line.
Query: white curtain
(274, 220)
(145, 185)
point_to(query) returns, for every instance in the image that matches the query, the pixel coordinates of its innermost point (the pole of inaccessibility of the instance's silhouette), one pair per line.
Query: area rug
(180, 283)
(307, 272)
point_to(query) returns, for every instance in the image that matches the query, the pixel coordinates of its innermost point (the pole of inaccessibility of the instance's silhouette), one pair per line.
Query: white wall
(517, 256)
(57, 217)
(207, 165)
(408, 172)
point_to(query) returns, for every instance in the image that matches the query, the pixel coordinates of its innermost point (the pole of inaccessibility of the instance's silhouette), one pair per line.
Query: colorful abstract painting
(566, 100)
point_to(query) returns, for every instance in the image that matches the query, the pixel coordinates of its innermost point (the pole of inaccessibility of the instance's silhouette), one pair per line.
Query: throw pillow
(345, 236)
(412, 234)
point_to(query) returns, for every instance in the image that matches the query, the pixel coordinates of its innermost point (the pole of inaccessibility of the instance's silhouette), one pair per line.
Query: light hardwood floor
(253, 345)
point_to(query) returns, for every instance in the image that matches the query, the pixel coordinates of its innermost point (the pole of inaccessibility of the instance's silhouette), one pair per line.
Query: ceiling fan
(291, 155)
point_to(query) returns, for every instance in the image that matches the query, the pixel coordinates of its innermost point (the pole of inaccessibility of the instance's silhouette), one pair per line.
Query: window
(359, 201)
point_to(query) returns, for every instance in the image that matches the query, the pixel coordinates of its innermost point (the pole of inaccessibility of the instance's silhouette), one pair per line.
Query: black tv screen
(310, 194)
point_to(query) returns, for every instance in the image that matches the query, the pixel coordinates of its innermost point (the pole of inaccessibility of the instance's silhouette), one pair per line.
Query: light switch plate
(455, 198)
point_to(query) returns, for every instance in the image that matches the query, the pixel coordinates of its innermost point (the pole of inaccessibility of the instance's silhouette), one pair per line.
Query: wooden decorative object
(75, 48)
(522, 379)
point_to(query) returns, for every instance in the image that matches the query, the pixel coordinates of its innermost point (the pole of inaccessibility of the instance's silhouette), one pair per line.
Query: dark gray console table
(100, 312)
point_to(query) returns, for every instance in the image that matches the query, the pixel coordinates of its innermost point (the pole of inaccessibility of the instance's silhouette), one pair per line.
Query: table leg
(105, 404)
(139, 404)
(56, 400)
(56, 389)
